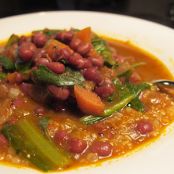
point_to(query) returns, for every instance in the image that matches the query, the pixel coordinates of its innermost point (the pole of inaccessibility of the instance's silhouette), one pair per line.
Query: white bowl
(157, 157)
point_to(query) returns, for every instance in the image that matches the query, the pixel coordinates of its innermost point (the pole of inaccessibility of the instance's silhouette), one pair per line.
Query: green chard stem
(132, 93)
(26, 138)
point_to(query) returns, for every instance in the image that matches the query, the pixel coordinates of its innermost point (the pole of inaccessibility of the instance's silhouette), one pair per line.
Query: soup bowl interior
(156, 39)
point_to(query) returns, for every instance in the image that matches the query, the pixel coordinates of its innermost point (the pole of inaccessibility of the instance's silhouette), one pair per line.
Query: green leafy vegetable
(128, 72)
(13, 39)
(127, 93)
(2, 76)
(43, 122)
(27, 140)
(22, 66)
(6, 63)
(103, 49)
(69, 78)
(137, 104)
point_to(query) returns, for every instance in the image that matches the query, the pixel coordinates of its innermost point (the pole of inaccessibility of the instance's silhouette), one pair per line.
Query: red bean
(77, 145)
(22, 39)
(26, 88)
(18, 102)
(56, 67)
(64, 36)
(74, 44)
(3, 142)
(96, 61)
(39, 39)
(105, 90)
(19, 78)
(42, 61)
(26, 51)
(101, 148)
(61, 136)
(93, 74)
(40, 53)
(87, 63)
(59, 92)
(40, 111)
(77, 60)
(35, 92)
(63, 53)
(84, 48)
(144, 126)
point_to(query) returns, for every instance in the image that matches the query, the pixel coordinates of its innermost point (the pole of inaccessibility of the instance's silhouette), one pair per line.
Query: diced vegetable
(13, 39)
(88, 101)
(43, 122)
(127, 95)
(22, 66)
(2, 76)
(103, 49)
(137, 104)
(69, 78)
(128, 71)
(6, 63)
(84, 35)
(27, 140)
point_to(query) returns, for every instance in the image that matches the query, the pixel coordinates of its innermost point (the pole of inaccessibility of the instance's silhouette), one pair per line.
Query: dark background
(161, 11)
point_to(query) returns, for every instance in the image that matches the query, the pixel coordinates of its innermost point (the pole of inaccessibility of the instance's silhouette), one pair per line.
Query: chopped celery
(27, 139)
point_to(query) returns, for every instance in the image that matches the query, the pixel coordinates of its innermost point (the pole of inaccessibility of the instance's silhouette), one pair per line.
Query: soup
(71, 98)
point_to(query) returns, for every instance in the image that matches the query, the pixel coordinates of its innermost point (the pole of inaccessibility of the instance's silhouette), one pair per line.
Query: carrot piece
(88, 101)
(11, 77)
(84, 35)
(53, 44)
(93, 53)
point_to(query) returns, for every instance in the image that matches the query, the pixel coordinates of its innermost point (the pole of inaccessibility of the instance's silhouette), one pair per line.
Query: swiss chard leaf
(13, 39)
(69, 78)
(137, 104)
(128, 71)
(6, 63)
(127, 93)
(103, 49)
(22, 66)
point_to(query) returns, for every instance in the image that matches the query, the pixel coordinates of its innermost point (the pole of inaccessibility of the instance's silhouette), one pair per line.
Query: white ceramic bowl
(157, 39)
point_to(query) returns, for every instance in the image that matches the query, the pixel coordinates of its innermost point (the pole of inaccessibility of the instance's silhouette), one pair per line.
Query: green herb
(43, 122)
(22, 66)
(2, 76)
(128, 72)
(127, 94)
(6, 63)
(69, 78)
(13, 39)
(137, 104)
(103, 49)
(28, 141)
